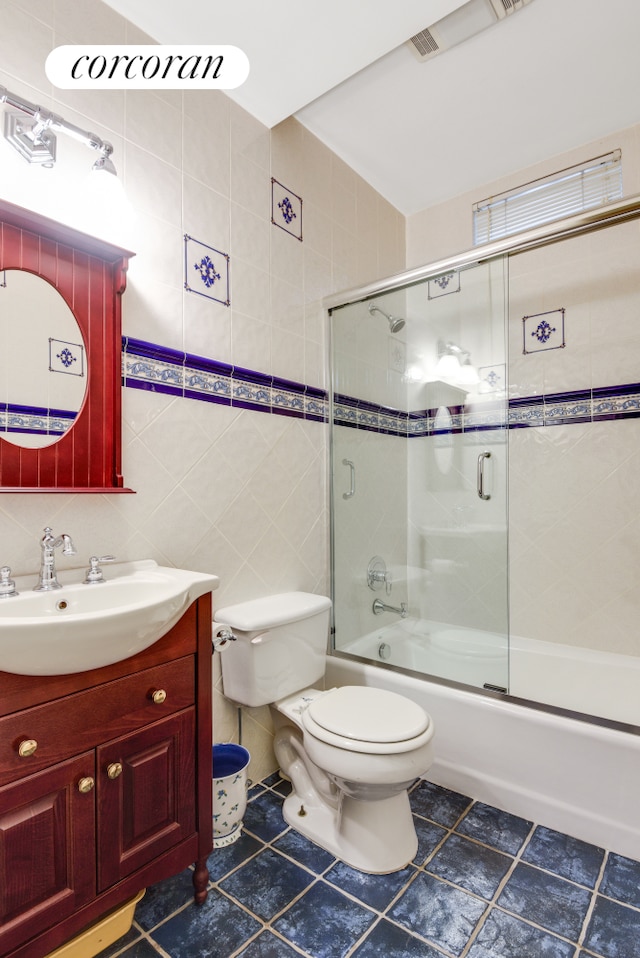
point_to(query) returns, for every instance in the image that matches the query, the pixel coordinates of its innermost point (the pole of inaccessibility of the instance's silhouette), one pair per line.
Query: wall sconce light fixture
(31, 132)
(455, 363)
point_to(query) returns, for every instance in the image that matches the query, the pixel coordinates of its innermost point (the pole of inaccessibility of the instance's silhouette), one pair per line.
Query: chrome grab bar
(481, 461)
(352, 482)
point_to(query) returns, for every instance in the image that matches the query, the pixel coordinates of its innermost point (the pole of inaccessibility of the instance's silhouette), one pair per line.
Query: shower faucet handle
(377, 575)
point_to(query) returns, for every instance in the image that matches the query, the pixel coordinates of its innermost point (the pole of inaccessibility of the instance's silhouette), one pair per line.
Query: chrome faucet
(48, 579)
(380, 607)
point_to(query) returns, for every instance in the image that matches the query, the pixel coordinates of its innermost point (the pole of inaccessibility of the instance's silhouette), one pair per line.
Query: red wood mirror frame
(91, 276)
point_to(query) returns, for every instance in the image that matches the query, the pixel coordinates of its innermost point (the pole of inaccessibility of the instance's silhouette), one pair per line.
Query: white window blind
(583, 187)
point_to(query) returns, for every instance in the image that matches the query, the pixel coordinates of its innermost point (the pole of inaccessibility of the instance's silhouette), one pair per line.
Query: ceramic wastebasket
(230, 763)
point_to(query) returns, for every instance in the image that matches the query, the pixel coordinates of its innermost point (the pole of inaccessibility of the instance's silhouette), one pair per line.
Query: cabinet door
(47, 848)
(146, 795)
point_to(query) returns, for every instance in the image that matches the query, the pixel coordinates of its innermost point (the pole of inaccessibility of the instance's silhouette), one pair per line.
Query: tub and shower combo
(485, 417)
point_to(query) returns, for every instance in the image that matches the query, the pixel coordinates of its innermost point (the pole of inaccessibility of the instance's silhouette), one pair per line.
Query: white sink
(81, 627)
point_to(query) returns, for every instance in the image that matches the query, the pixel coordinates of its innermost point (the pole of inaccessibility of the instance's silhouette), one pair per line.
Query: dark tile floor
(484, 884)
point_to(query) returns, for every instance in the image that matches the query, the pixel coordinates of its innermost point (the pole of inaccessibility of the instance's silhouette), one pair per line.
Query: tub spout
(379, 607)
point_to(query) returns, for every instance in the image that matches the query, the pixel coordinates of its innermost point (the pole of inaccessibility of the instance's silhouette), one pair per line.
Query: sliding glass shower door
(419, 466)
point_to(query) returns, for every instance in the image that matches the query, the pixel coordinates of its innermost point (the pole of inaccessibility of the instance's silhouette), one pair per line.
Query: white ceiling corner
(549, 78)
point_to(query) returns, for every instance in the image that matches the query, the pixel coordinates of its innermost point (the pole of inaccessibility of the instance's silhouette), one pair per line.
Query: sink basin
(81, 627)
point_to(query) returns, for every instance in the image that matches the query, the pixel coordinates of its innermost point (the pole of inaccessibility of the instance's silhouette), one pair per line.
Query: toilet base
(372, 837)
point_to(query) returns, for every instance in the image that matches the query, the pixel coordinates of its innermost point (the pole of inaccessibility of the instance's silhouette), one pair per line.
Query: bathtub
(573, 775)
(601, 684)
(436, 648)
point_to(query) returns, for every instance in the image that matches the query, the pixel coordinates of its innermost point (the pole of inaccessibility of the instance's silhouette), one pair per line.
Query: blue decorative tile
(568, 857)
(66, 358)
(621, 880)
(253, 884)
(553, 903)
(475, 867)
(503, 936)
(324, 923)
(286, 209)
(288, 402)
(206, 270)
(439, 804)
(164, 898)
(543, 331)
(617, 402)
(251, 390)
(392, 942)
(304, 851)
(263, 816)
(377, 891)
(268, 945)
(429, 837)
(223, 860)
(154, 374)
(494, 827)
(443, 285)
(614, 930)
(493, 378)
(195, 930)
(439, 912)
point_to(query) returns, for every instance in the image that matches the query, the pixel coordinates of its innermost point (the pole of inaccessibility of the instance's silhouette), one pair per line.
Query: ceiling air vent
(461, 24)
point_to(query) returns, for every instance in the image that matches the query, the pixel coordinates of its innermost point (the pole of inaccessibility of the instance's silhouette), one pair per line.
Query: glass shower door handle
(482, 458)
(352, 480)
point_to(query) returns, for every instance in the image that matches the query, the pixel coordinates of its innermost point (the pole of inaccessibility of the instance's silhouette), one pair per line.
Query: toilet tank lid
(272, 611)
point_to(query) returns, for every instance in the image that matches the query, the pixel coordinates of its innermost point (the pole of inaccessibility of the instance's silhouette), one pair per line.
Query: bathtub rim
(585, 717)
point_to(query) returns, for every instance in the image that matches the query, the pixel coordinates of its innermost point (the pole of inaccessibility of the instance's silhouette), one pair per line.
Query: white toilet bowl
(350, 753)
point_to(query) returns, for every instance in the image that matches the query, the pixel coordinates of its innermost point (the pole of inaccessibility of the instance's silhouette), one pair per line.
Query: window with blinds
(573, 190)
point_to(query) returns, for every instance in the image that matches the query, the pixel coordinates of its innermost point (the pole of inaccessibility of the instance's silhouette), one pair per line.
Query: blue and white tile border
(170, 371)
(206, 270)
(160, 369)
(286, 209)
(35, 420)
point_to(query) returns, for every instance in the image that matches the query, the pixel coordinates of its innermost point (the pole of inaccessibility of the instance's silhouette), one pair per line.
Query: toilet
(350, 753)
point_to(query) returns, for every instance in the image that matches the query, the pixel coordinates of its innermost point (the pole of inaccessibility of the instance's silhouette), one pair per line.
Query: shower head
(395, 322)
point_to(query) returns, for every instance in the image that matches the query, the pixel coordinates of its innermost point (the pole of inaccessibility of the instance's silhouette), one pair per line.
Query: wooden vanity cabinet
(105, 786)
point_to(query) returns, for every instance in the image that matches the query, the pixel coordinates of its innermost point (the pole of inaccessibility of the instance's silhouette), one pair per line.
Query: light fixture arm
(44, 121)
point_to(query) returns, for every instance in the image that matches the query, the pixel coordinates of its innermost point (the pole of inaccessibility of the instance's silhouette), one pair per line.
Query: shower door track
(619, 212)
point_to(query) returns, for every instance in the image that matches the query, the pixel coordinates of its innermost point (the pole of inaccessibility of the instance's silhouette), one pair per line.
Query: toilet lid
(365, 714)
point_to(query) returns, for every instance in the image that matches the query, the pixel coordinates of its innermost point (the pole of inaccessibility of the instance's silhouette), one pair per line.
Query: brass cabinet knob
(158, 696)
(86, 784)
(27, 747)
(114, 770)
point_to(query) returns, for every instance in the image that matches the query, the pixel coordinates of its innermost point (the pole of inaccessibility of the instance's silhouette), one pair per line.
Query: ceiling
(550, 77)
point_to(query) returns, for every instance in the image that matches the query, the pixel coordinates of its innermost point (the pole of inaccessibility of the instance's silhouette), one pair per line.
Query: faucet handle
(94, 572)
(7, 585)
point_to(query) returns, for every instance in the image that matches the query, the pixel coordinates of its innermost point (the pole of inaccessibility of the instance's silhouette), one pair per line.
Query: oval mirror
(43, 369)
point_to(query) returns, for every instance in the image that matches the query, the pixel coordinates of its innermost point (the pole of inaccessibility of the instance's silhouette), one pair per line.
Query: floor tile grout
(495, 828)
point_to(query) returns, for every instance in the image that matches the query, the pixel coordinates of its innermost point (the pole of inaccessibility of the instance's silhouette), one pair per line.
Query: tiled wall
(219, 487)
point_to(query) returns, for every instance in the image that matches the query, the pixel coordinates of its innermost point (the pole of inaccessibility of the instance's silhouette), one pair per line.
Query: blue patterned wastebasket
(230, 763)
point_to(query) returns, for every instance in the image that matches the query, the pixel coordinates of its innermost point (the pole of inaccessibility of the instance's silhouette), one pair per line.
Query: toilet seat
(369, 720)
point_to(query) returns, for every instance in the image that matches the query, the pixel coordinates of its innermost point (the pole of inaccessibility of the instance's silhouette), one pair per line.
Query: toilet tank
(280, 647)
